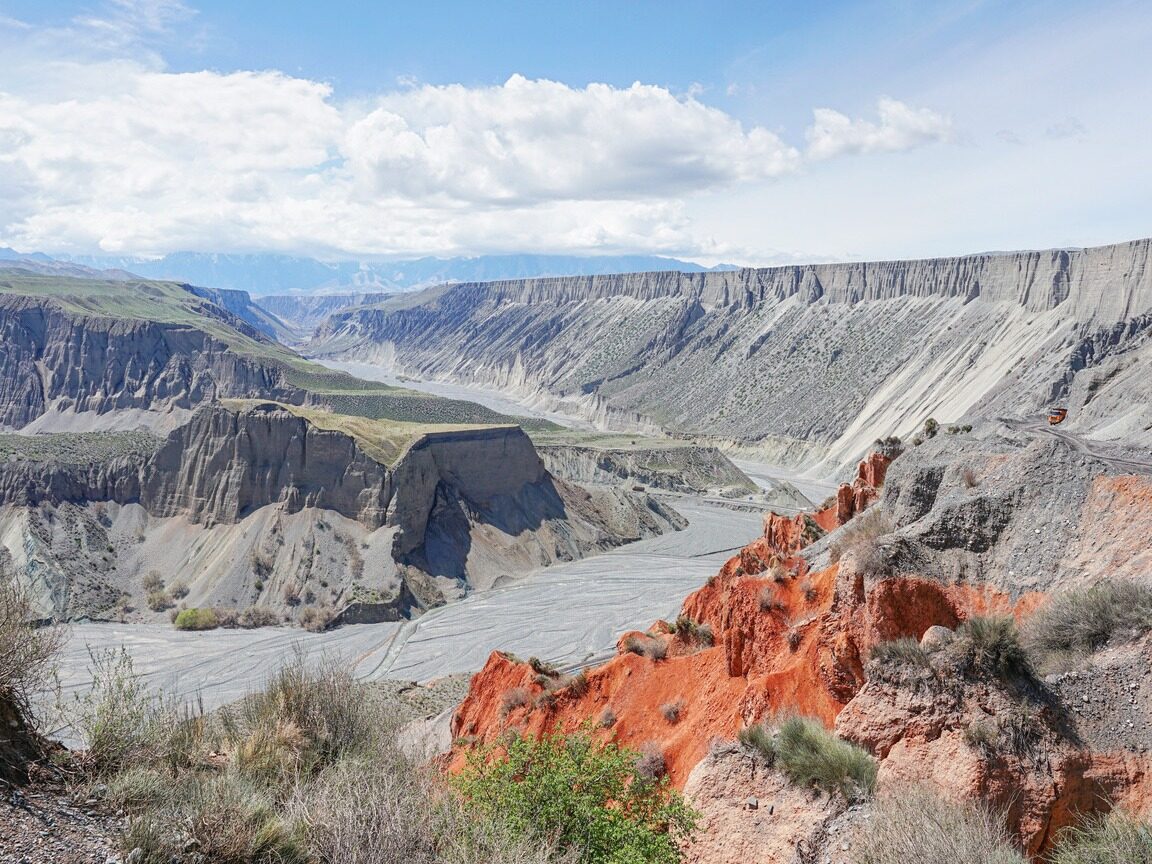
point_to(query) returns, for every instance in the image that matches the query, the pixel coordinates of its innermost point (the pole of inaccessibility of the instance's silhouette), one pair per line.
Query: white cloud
(101, 152)
(901, 127)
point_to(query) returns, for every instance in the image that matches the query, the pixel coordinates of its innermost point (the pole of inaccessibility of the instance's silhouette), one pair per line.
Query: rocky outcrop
(61, 361)
(457, 511)
(805, 362)
(790, 624)
(686, 469)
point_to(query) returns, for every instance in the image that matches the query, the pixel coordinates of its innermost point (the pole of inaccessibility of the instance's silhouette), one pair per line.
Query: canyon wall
(963, 526)
(803, 362)
(457, 511)
(59, 361)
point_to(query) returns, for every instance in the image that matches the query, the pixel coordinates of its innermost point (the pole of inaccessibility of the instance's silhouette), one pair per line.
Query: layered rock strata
(962, 526)
(804, 362)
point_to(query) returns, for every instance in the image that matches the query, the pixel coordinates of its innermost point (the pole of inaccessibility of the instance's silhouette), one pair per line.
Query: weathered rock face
(55, 360)
(762, 658)
(750, 812)
(686, 469)
(459, 509)
(807, 361)
(971, 526)
(223, 465)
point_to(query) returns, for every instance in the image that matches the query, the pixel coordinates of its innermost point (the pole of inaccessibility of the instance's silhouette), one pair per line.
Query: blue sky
(758, 132)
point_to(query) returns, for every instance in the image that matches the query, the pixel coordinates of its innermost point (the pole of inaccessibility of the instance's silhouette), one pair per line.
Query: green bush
(914, 826)
(224, 818)
(120, 719)
(582, 794)
(197, 619)
(810, 755)
(758, 739)
(1084, 620)
(1117, 838)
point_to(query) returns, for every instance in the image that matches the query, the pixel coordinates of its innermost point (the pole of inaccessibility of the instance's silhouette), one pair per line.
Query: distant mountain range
(264, 273)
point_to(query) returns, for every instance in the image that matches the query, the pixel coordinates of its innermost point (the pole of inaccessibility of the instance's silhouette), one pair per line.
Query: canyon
(803, 365)
(584, 512)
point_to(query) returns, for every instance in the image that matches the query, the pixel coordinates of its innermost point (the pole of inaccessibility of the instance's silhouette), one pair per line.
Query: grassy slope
(382, 439)
(169, 303)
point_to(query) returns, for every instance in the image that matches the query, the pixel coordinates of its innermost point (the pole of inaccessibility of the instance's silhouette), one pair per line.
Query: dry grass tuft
(913, 825)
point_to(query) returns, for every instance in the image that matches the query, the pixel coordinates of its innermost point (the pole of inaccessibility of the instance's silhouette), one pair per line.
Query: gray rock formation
(53, 359)
(805, 362)
(686, 469)
(458, 510)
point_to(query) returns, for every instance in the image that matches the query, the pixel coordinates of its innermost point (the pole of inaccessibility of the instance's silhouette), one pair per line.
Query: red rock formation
(784, 641)
(789, 639)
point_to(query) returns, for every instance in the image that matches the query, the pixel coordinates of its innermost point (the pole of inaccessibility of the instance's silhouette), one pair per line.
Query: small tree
(581, 794)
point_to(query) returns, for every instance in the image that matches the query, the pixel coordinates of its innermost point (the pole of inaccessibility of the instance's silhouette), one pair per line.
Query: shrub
(994, 646)
(178, 590)
(542, 667)
(758, 739)
(26, 652)
(689, 631)
(262, 564)
(122, 722)
(768, 601)
(913, 825)
(812, 756)
(315, 619)
(931, 427)
(968, 478)
(607, 718)
(1084, 620)
(901, 652)
(635, 644)
(197, 619)
(258, 616)
(891, 446)
(1117, 838)
(153, 581)
(656, 649)
(672, 711)
(581, 794)
(319, 712)
(651, 763)
(291, 593)
(577, 685)
(386, 809)
(858, 536)
(223, 817)
(512, 699)
(158, 601)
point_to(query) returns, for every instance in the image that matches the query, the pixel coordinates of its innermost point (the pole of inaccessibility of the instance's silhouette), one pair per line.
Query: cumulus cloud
(900, 127)
(115, 154)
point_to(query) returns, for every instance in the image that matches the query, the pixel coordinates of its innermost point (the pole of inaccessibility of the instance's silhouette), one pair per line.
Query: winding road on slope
(1081, 445)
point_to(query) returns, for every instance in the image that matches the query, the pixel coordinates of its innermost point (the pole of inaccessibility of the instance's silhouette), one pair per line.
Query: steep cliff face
(964, 526)
(807, 362)
(457, 511)
(676, 468)
(57, 360)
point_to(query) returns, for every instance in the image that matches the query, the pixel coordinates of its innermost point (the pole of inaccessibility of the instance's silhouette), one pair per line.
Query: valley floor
(569, 614)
